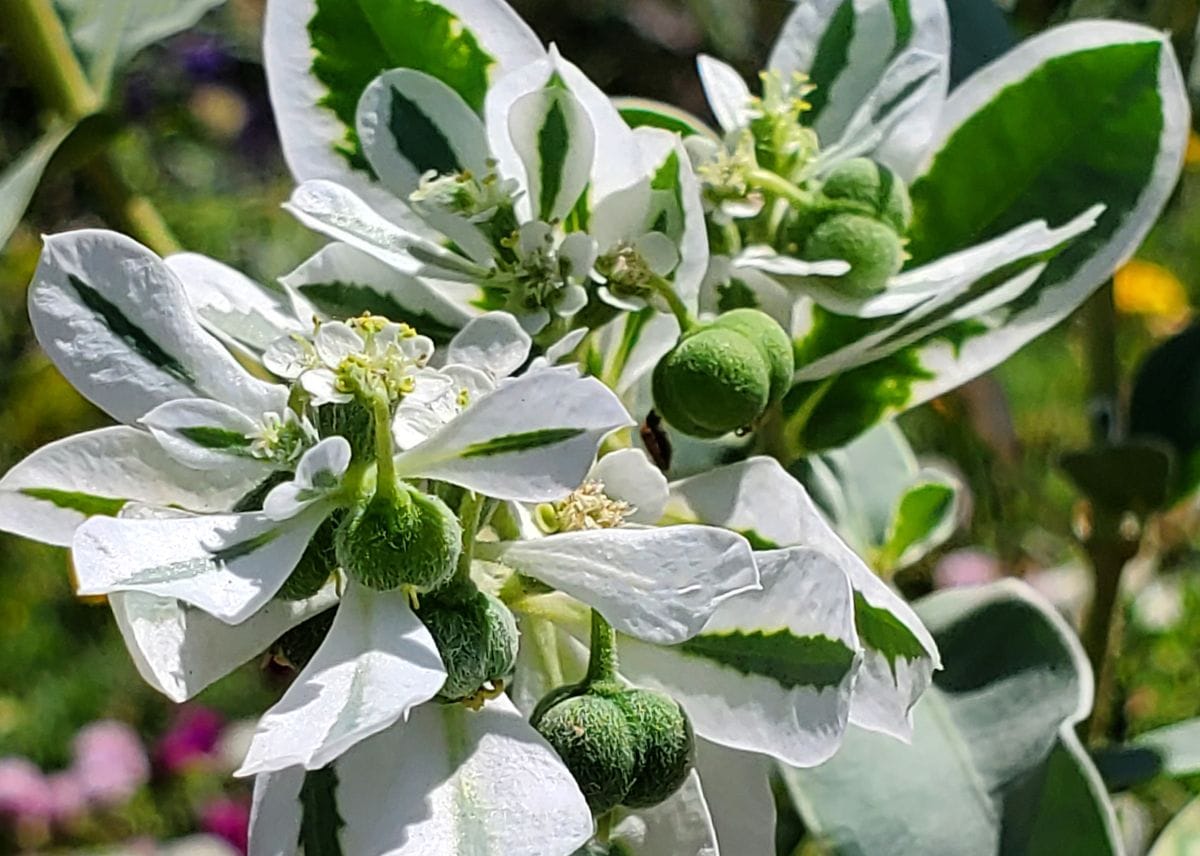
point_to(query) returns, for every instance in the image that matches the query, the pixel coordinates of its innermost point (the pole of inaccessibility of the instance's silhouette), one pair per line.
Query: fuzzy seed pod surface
(873, 250)
(874, 189)
(774, 344)
(592, 736)
(477, 639)
(409, 539)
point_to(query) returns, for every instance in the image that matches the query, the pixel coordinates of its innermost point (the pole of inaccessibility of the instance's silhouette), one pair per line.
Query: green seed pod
(477, 638)
(872, 248)
(873, 189)
(714, 381)
(765, 332)
(663, 745)
(316, 565)
(592, 736)
(409, 539)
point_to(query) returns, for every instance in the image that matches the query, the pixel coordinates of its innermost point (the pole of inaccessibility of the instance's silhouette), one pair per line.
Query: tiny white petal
(629, 476)
(493, 342)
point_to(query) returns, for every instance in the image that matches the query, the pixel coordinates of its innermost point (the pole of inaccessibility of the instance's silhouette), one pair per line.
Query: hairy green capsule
(592, 736)
(873, 249)
(664, 746)
(714, 381)
(477, 639)
(873, 189)
(409, 539)
(772, 342)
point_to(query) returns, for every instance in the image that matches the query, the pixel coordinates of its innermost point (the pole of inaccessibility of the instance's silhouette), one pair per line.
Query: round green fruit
(873, 189)
(477, 639)
(664, 746)
(873, 250)
(408, 539)
(714, 381)
(773, 343)
(592, 736)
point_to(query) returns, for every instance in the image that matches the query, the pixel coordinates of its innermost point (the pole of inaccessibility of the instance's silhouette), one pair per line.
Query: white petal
(377, 663)
(532, 440)
(289, 356)
(738, 787)
(401, 154)
(51, 492)
(930, 296)
(318, 474)
(117, 323)
(335, 341)
(180, 650)
(342, 281)
(232, 306)
(659, 251)
(660, 585)
(728, 95)
(564, 346)
(229, 565)
(680, 825)
(336, 212)
(570, 300)
(767, 260)
(629, 476)
(912, 80)
(453, 781)
(204, 434)
(758, 496)
(578, 249)
(493, 342)
(773, 670)
(556, 143)
(322, 385)
(276, 814)
(311, 134)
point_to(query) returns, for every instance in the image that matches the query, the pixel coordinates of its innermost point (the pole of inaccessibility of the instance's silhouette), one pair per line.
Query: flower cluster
(409, 473)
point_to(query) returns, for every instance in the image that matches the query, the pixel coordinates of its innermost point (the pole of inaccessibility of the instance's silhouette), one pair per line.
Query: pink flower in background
(110, 762)
(192, 739)
(966, 568)
(24, 791)
(67, 798)
(228, 819)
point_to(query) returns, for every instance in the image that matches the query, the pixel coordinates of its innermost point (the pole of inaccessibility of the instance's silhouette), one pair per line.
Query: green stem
(37, 38)
(779, 186)
(469, 512)
(128, 210)
(602, 662)
(385, 484)
(664, 288)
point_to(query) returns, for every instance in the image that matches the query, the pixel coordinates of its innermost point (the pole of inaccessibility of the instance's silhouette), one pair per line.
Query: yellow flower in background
(1145, 288)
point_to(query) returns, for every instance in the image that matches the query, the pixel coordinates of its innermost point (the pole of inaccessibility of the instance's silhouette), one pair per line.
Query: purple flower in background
(110, 762)
(24, 791)
(228, 819)
(192, 739)
(203, 56)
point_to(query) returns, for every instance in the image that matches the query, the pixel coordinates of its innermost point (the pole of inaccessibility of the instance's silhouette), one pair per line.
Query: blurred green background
(196, 139)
